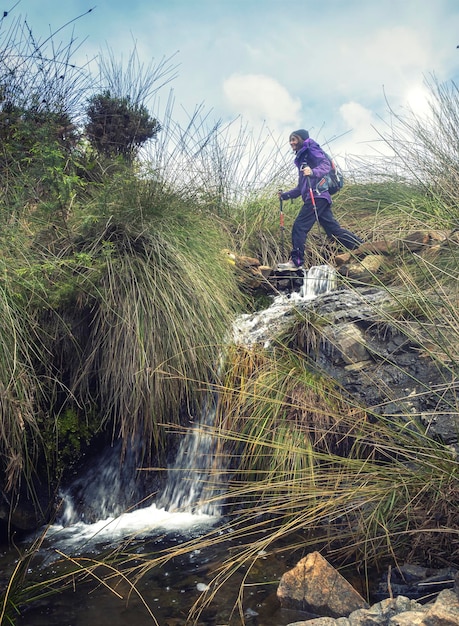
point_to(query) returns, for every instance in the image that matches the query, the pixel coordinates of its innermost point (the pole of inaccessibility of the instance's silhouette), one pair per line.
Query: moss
(66, 438)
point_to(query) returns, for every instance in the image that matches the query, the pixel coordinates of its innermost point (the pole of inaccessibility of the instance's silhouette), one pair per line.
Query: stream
(184, 511)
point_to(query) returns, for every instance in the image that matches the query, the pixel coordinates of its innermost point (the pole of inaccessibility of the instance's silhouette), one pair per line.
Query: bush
(118, 127)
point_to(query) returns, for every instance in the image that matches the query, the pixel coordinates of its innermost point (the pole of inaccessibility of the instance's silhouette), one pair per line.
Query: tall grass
(115, 308)
(423, 150)
(20, 388)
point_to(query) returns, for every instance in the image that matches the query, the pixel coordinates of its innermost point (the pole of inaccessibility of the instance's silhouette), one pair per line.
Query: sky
(336, 68)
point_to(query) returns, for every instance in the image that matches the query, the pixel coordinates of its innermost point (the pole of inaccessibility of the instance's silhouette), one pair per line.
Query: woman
(313, 164)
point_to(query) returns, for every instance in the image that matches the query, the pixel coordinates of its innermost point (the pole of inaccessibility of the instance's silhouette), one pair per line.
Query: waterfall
(195, 476)
(97, 501)
(263, 326)
(317, 280)
(106, 489)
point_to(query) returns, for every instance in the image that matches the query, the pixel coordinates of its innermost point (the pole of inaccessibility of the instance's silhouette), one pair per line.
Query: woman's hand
(307, 171)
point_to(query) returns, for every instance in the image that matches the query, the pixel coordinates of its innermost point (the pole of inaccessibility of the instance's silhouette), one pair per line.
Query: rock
(378, 363)
(414, 581)
(342, 259)
(323, 621)
(241, 261)
(365, 269)
(27, 515)
(315, 586)
(346, 343)
(414, 241)
(444, 611)
(384, 612)
(410, 618)
(399, 611)
(411, 242)
(392, 372)
(370, 247)
(440, 235)
(370, 264)
(250, 273)
(265, 270)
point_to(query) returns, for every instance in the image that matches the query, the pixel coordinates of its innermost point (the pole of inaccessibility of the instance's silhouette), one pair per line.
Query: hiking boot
(290, 265)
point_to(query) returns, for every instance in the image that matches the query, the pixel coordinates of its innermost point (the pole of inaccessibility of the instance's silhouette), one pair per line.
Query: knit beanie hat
(302, 134)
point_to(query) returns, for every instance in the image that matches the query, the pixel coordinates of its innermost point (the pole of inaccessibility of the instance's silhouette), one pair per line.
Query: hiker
(313, 165)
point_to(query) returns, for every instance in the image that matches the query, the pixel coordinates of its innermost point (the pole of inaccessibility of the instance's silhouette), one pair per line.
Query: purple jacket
(310, 154)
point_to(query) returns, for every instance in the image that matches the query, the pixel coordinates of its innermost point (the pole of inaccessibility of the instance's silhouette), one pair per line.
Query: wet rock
(26, 515)
(315, 586)
(399, 611)
(380, 363)
(346, 344)
(383, 364)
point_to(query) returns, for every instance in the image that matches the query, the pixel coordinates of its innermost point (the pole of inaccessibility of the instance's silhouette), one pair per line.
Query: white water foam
(141, 523)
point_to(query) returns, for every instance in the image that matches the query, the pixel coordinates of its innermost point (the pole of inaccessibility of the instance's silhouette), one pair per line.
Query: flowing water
(194, 482)
(95, 518)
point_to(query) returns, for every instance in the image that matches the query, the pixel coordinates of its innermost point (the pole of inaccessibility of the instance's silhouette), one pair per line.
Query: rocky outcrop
(381, 361)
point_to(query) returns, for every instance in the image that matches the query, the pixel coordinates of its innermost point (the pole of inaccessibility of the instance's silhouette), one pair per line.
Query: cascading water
(93, 506)
(88, 499)
(317, 280)
(194, 481)
(261, 327)
(98, 515)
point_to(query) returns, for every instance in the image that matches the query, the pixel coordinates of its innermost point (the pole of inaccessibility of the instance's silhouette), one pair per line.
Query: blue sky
(331, 67)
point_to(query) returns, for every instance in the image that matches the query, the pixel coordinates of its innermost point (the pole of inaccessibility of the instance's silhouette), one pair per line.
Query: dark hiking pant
(305, 221)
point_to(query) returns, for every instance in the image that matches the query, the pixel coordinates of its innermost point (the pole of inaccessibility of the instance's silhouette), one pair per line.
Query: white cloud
(356, 116)
(363, 134)
(260, 98)
(398, 50)
(418, 99)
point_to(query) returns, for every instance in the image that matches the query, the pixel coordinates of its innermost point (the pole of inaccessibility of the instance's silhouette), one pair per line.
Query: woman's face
(296, 143)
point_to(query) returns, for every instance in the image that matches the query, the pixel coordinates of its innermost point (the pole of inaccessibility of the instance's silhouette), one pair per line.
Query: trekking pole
(281, 222)
(313, 200)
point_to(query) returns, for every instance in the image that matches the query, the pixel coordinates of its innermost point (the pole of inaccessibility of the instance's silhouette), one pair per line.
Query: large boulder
(315, 586)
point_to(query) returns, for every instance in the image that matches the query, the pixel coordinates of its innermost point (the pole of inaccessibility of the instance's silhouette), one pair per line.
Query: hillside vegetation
(116, 299)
